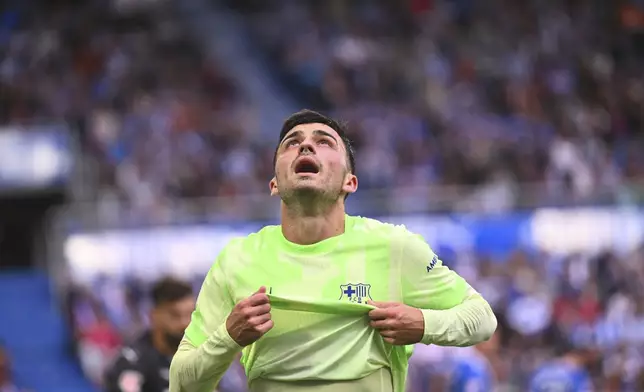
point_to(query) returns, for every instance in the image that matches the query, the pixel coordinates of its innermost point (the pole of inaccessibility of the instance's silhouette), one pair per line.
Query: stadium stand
(146, 102)
(437, 102)
(459, 92)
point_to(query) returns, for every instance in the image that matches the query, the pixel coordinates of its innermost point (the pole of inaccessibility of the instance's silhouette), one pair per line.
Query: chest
(354, 273)
(157, 373)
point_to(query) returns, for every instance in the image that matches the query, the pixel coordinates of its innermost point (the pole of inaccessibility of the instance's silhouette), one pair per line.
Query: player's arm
(126, 373)
(207, 349)
(454, 313)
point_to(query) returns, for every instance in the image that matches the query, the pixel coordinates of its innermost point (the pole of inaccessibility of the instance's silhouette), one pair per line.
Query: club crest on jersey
(358, 292)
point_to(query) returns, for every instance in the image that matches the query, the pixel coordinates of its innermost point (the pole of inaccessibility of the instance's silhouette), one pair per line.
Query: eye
(324, 141)
(292, 143)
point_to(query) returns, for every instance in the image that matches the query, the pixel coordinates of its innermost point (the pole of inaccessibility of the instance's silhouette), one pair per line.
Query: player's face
(312, 160)
(173, 318)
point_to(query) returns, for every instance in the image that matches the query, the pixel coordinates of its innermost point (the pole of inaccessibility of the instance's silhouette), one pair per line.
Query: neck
(307, 229)
(158, 340)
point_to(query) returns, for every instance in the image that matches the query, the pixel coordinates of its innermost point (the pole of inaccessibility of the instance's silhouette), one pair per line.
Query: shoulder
(241, 249)
(252, 242)
(127, 373)
(398, 236)
(131, 354)
(136, 350)
(377, 227)
(128, 365)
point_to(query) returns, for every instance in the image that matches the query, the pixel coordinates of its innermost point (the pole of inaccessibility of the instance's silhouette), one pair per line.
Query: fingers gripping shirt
(371, 260)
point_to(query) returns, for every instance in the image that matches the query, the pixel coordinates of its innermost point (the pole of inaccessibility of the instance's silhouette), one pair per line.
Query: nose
(306, 147)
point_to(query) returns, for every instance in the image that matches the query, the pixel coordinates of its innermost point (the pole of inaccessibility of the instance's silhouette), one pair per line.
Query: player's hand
(397, 323)
(250, 319)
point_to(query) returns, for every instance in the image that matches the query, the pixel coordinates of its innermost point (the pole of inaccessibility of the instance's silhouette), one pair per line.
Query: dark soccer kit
(139, 368)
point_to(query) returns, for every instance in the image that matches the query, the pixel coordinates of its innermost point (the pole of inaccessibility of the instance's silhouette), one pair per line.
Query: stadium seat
(36, 336)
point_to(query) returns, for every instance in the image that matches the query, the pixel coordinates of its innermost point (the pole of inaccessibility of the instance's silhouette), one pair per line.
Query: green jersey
(318, 297)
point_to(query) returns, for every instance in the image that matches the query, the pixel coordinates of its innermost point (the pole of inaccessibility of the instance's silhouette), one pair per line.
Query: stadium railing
(92, 215)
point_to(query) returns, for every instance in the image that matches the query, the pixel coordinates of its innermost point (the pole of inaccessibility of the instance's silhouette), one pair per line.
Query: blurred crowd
(155, 116)
(448, 92)
(543, 303)
(486, 94)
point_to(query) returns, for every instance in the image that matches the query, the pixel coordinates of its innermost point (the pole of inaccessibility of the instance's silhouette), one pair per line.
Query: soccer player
(144, 365)
(328, 264)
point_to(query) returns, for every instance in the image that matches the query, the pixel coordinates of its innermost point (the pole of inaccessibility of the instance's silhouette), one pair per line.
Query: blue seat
(36, 335)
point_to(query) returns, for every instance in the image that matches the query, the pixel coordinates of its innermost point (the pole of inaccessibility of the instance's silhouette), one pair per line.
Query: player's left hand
(398, 323)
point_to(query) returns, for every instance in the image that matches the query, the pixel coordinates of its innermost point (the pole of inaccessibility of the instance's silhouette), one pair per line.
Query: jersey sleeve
(207, 349)
(426, 282)
(454, 313)
(126, 374)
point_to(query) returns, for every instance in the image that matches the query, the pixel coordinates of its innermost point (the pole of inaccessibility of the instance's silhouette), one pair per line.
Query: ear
(273, 187)
(350, 184)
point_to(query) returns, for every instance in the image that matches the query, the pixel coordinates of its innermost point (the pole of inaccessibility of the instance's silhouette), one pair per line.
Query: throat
(311, 230)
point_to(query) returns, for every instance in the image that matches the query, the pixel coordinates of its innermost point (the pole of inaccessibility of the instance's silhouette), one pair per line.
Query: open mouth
(306, 166)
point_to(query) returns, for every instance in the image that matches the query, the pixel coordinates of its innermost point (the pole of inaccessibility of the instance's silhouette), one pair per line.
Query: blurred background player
(143, 365)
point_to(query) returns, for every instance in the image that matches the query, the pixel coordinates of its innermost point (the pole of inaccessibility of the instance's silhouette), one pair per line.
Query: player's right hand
(250, 318)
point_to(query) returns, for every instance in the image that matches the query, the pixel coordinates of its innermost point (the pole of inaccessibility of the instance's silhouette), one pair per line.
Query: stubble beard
(311, 201)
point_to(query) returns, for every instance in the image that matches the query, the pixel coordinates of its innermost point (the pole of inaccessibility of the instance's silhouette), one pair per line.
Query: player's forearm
(197, 369)
(466, 324)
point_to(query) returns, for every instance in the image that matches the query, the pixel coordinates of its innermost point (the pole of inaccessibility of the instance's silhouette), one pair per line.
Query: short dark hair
(306, 116)
(168, 290)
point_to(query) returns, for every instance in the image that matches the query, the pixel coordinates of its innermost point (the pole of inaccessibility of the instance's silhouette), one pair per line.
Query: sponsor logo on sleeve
(432, 263)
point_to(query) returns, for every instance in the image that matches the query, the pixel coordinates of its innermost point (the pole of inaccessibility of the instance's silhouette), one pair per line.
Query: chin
(309, 188)
(306, 191)
(307, 183)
